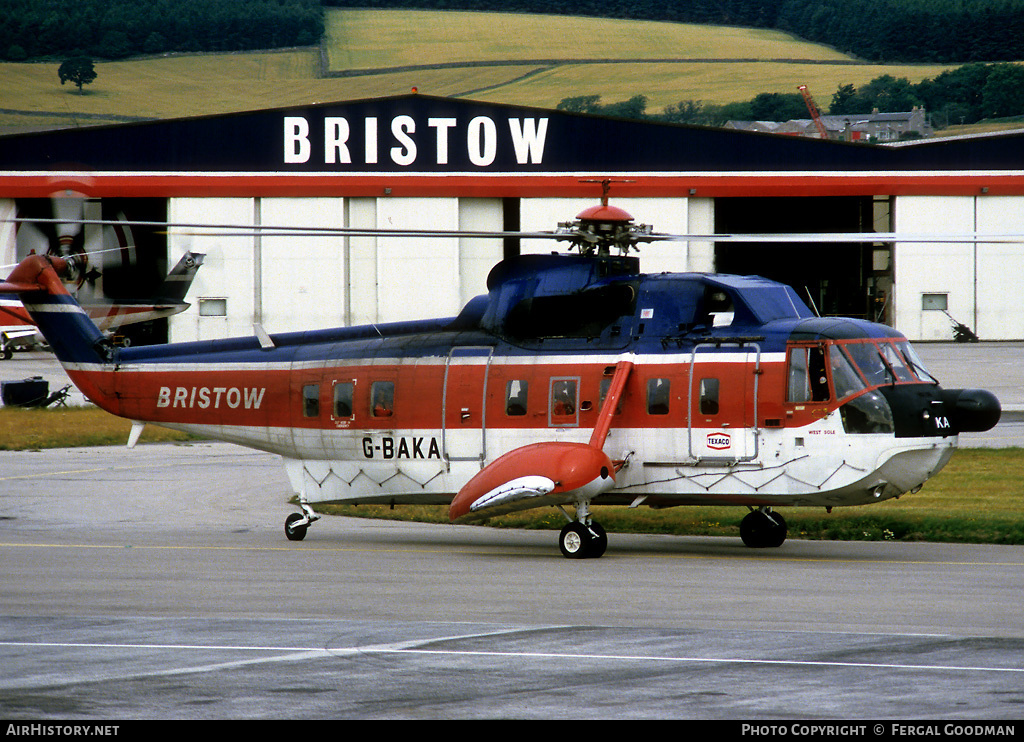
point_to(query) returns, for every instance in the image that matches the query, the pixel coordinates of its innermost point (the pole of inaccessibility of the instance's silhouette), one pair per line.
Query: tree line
(956, 31)
(877, 30)
(114, 29)
(964, 95)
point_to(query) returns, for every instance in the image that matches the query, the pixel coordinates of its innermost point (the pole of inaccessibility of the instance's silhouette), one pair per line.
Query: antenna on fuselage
(810, 298)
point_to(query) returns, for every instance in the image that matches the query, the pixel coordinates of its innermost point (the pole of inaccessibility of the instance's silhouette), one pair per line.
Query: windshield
(887, 361)
(869, 360)
(915, 362)
(853, 365)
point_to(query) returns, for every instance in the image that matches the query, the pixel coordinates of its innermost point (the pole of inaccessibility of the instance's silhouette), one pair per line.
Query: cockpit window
(807, 379)
(915, 363)
(851, 367)
(882, 362)
(844, 375)
(869, 360)
(896, 362)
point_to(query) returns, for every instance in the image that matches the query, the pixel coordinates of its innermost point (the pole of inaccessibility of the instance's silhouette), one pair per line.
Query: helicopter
(576, 381)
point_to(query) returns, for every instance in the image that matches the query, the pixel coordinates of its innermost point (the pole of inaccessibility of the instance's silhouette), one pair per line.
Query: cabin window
(563, 401)
(382, 398)
(311, 400)
(515, 397)
(657, 396)
(709, 396)
(343, 392)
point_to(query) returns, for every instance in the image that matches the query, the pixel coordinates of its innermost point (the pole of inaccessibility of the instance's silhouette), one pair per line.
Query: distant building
(878, 127)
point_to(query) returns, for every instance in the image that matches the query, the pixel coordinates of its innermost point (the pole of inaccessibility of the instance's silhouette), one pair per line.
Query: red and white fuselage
(668, 390)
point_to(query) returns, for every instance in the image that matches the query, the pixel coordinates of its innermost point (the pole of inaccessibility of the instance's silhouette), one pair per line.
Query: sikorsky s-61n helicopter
(575, 381)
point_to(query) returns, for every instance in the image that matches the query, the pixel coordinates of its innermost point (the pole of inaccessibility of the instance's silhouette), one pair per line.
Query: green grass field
(193, 85)
(71, 427)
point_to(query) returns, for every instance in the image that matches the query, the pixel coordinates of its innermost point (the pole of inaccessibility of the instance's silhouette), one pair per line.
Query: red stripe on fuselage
(275, 397)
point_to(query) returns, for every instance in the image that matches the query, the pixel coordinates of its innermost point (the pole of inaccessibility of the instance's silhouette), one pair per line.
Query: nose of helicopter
(971, 410)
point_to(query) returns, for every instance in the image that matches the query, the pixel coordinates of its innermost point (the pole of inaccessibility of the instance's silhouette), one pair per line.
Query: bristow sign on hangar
(259, 152)
(414, 134)
(419, 133)
(480, 138)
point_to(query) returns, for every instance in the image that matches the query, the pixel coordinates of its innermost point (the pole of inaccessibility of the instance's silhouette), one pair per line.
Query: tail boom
(74, 338)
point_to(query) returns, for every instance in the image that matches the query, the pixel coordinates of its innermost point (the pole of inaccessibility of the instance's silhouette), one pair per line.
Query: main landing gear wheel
(578, 541)
(292, 531)
(763, 529)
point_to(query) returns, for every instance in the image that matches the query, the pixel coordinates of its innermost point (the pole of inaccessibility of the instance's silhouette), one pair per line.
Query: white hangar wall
(295, 283)
(979, 284)
(302, 282)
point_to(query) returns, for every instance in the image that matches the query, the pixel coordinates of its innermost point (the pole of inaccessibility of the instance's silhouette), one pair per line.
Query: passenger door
(723, 400)
(463, 404)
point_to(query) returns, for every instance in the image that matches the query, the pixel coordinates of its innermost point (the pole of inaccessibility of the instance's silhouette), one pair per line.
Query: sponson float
(576, 381)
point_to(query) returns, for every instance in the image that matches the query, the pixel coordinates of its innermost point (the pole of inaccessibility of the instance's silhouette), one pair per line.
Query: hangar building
(421, 162)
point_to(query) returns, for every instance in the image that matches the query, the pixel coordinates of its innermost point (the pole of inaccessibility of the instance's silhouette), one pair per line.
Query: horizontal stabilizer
(20, 333)
(518, 489)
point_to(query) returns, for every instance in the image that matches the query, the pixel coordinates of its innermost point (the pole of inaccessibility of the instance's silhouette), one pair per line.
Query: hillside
(951, 31)
(509, 58)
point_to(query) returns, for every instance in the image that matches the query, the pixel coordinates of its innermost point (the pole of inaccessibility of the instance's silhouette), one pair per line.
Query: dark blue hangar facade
(420, 162)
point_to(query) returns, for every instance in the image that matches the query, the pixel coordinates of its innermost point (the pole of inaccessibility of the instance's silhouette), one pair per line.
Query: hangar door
(850, 280)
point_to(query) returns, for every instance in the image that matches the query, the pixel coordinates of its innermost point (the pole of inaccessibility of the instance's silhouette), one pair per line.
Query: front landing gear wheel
(578, 541)
(292, 531)
(763, 529)
(573, 541)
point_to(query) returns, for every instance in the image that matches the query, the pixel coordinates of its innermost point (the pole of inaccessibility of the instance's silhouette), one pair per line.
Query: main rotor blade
(271, 230)
(246, 230)
(837, 237)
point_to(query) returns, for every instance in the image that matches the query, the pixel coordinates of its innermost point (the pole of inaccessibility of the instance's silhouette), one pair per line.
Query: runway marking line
(314, 652)
(468, 550)
(93, 470)
(37, 475)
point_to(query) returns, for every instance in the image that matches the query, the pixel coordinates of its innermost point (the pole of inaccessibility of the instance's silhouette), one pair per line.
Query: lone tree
(78, 70)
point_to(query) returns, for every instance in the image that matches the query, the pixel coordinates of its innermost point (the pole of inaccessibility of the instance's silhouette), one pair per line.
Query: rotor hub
(599, 229)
